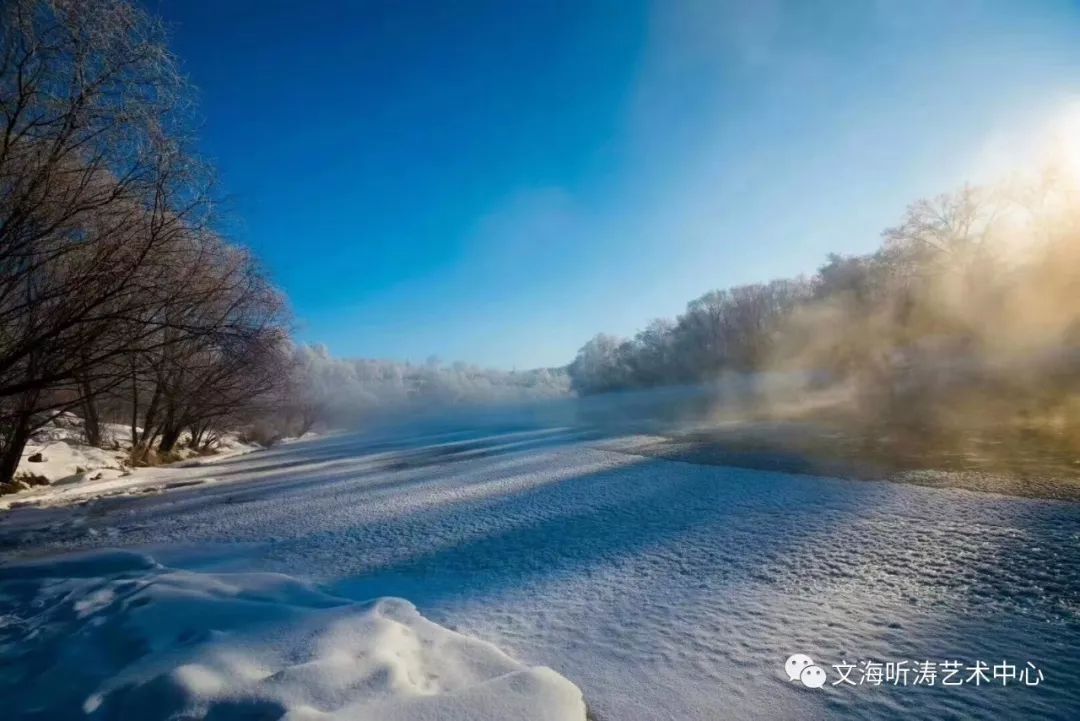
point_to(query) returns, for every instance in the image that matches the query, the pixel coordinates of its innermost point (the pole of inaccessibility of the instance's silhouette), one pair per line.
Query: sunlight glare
(1064, 148)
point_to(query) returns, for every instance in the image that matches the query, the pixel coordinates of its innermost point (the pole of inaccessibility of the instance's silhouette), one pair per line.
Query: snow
(113, 634)
(66, 459)
(661, 589)
(65, 463)
(76, 472)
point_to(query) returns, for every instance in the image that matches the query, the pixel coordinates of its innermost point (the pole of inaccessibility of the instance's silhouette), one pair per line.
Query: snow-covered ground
(57, 454)
(113, 634)
(67, 470)
(663, 590)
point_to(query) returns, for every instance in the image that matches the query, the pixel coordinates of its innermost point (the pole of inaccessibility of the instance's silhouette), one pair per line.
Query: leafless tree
(110, 274)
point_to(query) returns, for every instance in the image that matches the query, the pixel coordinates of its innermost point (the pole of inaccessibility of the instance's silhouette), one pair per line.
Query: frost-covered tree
(105, 215)
(341, 391)
(970, 300)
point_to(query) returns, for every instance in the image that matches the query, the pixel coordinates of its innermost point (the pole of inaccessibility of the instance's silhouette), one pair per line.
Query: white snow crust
(113, 634)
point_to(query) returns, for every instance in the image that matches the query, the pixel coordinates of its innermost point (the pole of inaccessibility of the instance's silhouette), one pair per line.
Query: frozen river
(663, 589)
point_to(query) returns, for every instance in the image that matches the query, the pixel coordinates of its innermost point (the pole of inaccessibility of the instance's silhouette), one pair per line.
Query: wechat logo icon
(800, 667)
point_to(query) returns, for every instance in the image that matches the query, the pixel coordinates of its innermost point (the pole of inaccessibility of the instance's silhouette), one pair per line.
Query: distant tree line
(117, 297)
(342, 391)
(973, 296)
(733, 329)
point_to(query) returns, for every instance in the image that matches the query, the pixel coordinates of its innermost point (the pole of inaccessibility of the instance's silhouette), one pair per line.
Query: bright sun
(1065, 141)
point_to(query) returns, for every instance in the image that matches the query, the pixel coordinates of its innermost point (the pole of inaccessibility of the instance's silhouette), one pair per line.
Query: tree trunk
(134, 407)
(91, 421)
(198, 431)
(169, 437)
(141, 442)
(16, 436)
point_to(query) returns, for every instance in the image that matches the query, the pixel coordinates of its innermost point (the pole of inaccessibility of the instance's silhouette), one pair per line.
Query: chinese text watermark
(946, 672)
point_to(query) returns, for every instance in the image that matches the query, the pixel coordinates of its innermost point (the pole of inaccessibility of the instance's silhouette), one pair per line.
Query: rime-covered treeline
(972, 300)
(117, 297)
(344, 391)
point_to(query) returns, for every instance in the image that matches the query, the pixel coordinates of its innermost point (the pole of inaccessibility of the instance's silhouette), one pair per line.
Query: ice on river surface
(663, 590)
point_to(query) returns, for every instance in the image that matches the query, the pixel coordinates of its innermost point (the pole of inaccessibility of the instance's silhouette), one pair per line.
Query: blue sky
(497, 182)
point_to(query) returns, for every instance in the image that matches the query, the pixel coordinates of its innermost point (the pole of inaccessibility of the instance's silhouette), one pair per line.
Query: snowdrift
(115, 635)
(59, 467)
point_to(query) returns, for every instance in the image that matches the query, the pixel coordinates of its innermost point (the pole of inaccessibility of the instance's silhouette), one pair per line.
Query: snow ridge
(113, 634)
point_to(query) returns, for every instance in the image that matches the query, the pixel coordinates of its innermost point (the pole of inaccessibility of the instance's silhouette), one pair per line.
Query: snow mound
(66, 459)
(115, 635)
(58, 467)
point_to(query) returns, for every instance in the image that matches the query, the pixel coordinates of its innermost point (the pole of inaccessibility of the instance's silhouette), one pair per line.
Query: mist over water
(955, 346)
(779, 421)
